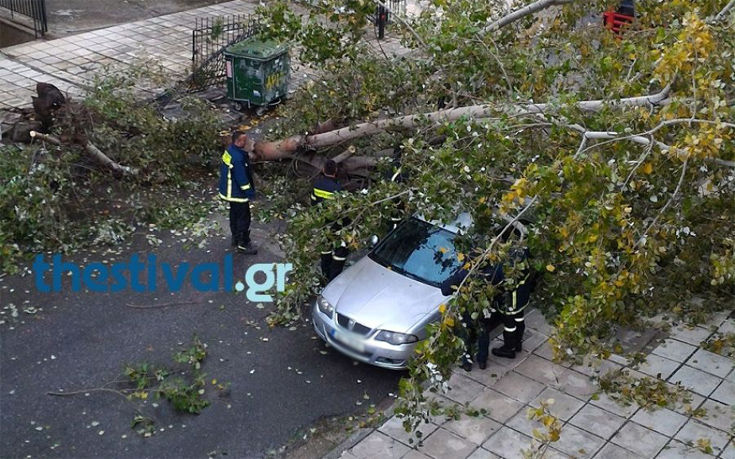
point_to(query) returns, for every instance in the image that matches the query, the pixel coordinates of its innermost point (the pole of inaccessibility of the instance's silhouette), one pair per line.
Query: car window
(419, 250)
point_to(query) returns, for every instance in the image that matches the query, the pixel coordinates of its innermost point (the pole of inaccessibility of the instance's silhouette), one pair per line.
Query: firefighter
(477, 331)
(236, 187)
(396, 210)
(493, 275)
(515, 300)
(332, 259)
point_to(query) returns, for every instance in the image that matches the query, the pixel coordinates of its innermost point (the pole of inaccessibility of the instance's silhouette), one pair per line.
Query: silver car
(377, 310)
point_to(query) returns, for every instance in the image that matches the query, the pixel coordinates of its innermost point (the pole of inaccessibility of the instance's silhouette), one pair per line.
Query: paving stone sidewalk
(72, 62)
(594, 425)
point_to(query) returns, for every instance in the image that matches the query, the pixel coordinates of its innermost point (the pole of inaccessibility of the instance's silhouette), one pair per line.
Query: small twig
(85, 391)
(666, 206)
(500, 63)
(638, 163)
(582, 144)
(161, 305)
(630, 70)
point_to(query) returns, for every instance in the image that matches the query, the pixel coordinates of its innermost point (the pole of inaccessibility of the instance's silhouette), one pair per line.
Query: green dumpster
(257, 72)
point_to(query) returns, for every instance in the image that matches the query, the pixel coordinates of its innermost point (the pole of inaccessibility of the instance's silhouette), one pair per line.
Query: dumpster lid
(256, 48)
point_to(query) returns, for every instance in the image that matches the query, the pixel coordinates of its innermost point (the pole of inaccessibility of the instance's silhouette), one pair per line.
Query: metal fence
(29, 13)
(210, 37)
(394, 6)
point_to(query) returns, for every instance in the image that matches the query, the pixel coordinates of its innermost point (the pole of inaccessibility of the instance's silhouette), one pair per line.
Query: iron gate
(210, 37)
(28, 13)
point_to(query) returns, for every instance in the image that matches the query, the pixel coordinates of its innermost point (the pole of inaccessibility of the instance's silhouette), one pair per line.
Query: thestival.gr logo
(205, 277)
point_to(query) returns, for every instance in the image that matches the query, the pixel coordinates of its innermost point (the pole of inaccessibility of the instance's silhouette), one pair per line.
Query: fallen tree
(629, 162)
(274, 150)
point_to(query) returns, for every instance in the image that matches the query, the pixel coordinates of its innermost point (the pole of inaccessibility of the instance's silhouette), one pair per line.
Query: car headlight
(395, 337)
(324, 306)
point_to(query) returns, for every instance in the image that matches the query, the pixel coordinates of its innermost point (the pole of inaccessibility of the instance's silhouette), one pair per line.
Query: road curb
(358, 436)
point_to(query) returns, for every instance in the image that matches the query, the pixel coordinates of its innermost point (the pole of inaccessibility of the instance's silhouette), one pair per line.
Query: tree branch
(666, 206)
(93, 151)
(725, 10)
(521, 13)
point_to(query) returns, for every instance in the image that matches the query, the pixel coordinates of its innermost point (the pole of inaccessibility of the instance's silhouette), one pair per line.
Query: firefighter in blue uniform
(236, 187)
(396, 210)
(515, 300)
(332, 259)
(477, 331)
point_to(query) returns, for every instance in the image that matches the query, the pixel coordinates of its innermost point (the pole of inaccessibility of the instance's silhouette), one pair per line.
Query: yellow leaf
(442, 308)
(550, 268)
(460, 257)
(442, 249)
(647, 168)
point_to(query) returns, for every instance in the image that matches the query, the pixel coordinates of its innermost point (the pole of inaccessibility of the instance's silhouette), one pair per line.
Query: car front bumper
(362, 348)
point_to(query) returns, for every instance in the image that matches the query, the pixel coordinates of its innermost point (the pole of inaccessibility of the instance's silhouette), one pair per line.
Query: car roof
(464, 221)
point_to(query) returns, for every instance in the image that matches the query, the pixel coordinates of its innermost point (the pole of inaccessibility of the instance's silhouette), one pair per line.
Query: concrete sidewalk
(594, 425)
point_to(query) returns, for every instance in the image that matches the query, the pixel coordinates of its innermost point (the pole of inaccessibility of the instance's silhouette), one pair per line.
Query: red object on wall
(616, 21)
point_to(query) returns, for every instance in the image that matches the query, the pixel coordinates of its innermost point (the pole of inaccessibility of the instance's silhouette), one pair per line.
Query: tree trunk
(270, 151)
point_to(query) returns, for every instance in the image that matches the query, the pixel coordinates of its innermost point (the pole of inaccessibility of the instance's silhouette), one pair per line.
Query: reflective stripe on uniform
(335, 258)
(231, 199)
(227, 160)
(521, 319)
(324, 194)
(509, 330)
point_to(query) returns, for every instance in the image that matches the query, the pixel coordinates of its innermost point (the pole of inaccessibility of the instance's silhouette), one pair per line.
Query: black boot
(507, 350)
(326, 262)
(466, 363)
(521, 327)
(247, 249)
(245, 246)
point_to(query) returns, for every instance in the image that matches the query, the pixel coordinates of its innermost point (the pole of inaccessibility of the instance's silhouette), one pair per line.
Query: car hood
(377, 297)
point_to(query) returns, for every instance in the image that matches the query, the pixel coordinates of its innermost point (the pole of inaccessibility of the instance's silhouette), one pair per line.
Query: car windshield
(419, 250)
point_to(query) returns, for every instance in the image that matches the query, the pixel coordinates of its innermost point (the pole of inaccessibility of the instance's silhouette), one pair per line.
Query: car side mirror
(373, 240)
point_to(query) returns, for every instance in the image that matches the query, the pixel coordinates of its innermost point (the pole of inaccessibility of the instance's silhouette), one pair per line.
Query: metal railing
(210, 37)
(395, 6)
(28, 13)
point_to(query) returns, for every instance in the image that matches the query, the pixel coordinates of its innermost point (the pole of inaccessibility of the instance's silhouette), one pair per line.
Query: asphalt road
(281, 381)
